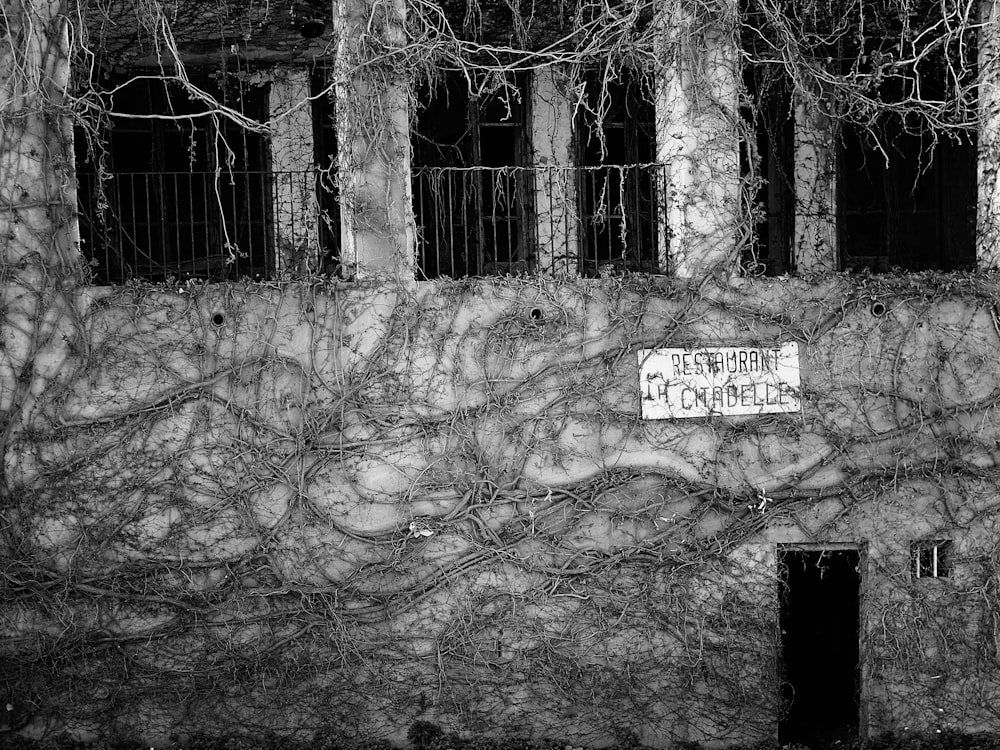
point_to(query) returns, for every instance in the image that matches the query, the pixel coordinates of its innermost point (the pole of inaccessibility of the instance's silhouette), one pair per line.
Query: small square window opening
(931, 559)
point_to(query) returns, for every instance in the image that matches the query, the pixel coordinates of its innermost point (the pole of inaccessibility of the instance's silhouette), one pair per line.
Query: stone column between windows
(37, 179)
(988, 167)
(816, 245)
(696, 138)
(556, 214)
(373, 137)
(296, 210)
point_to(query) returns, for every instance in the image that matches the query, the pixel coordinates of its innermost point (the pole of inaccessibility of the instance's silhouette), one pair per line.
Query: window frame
(945, 171)
(172, 218)
(940, 562)
(639, 192)
(474, 218)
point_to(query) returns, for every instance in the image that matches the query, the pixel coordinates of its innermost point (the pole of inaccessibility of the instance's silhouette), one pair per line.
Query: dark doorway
(819, 640)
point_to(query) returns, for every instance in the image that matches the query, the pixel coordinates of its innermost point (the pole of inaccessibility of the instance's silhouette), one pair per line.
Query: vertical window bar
(237, 190)
(213, 207)
(148, 229)
(175, 220)
(448, 215)
(193, 181)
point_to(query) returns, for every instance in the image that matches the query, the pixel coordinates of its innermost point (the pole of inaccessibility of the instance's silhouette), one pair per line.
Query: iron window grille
(472, 195)
(158, 226)
(620, 188)
(175, 190)
(931, 559)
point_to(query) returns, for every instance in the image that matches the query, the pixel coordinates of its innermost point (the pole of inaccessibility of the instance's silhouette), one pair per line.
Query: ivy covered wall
(349, 507)
(330, 507)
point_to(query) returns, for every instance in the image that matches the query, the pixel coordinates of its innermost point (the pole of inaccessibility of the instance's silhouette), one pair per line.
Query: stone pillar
(697, 107)
(296, 210)
(37, 199)
(816, 246)
(373, 137)
(40, 266)
(557, 217)
(988, 171)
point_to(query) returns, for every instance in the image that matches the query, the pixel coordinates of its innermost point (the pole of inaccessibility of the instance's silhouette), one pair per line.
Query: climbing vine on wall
(314, 505)
(301, 507)
(895, 69)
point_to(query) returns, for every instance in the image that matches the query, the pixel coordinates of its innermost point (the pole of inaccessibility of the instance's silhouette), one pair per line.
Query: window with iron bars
(472, 196)
(931, 558)
(173, 190)
(619, 185)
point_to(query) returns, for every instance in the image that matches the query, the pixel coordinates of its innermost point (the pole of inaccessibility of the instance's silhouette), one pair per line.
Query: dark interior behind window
(907, 202)
(471, 190)
(618, 181)
(325, 145)
(768, 161)
(181, 192)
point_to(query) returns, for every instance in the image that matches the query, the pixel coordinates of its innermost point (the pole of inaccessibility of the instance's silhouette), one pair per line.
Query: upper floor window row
(175, 189)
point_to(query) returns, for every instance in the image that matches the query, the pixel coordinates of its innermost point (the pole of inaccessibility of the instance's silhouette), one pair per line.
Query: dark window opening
(819, 620)
(180, 193)
(618, 180)
(907, 202)
(325, 144)
(931, 559)
(907, 191)
(767, 163)
(471, 191)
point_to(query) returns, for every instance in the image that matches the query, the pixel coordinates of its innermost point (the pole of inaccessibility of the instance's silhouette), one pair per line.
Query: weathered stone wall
(347, 507)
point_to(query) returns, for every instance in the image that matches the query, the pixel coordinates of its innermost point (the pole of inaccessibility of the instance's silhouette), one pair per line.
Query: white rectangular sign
(718, 381)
